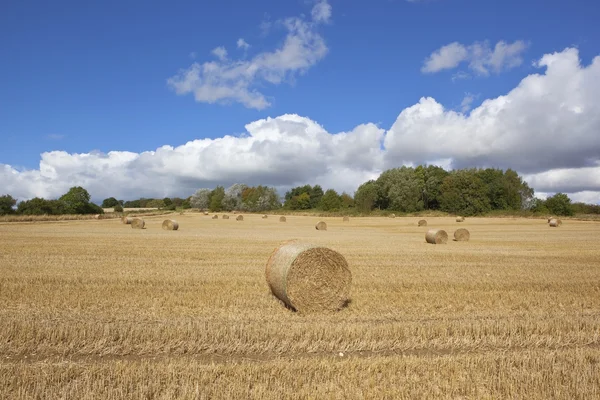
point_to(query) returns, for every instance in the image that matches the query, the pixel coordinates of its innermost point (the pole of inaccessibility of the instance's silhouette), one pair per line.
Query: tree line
(404, 190)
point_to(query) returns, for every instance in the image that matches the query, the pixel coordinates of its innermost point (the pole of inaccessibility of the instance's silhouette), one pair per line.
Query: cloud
(220, 52)
(465, 105)
(226, 81)
(242, 44)
(546, 128)
(481, 58)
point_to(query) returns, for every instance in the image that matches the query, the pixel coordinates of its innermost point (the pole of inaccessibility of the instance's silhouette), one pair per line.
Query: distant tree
(316, 194)
(539, 206)
(233, 197)
(109, 202)
(6, 204)
(201, 199)
(295, 198)
(155, 203)
(77, 201)
(463, 192)
(167, 202)
(401, 189)
(366, 196)
(39, 206)
(347, 200)
(118, 208)
(216, 199)
(330, 201)
(559, 204)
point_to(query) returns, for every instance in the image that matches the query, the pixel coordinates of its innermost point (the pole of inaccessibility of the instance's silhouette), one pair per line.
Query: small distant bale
(180, 212)
(138, 223)
(215, 217)
(321, 226)
(436, 236)
(205, 212)
(460, 219)
(170, 225)
(422, 223)
(346, 219)
(265, 216)
(239, 218)
(462, 235)
(555, 223)
(282, 219)
(309, 278)
(392, 215)
(225, 217)
(235, 212)
(126, 220)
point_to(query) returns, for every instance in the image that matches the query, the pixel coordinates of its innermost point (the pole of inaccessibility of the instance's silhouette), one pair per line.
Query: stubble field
(95, 309)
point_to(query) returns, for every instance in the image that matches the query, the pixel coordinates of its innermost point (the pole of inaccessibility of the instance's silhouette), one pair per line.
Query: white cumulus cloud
(242, 44)
(546, 128)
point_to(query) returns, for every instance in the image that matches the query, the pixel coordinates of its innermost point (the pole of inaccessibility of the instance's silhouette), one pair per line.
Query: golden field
(94, 309)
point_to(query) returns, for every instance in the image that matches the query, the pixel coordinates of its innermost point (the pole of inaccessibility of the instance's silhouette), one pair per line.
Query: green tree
(401, 189)
(167, 202)
(559, 204)
(347, 200)
(463, 192)
(118, 208)
(365, 197)
(39, 206)
(109, 202)
(316, 194)
(201, 199)
(77, 201)
(216, 199)
(330, 201)
(6, 204)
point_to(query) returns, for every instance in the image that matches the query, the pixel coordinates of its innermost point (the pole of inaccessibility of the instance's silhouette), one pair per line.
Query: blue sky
(101, 78)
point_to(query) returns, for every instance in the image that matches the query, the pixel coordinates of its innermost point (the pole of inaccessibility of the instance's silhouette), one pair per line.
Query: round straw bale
(436, 236)
(225, 216)
(550, 219)
(215, 216)
(392, 215)
(170, 225)
(239, 218)
(462, 235)
(126, 220)
(460, 219)
(422, 223)
(321, 226)
(346, 219)
(282, 219)
(309, 278)
(554, 223)
(205, 212)
(265, 216)
(235, 212)
(138, 223)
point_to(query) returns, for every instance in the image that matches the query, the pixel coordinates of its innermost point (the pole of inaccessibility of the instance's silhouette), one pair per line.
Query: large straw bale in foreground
(436, 236)
(126, 220)
(309, 278)
(138, 223)
(462, 235)
(321, 226)
(422, 223)
(170, 225)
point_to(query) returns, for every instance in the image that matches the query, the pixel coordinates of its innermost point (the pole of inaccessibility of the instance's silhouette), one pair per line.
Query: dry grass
(94, 309)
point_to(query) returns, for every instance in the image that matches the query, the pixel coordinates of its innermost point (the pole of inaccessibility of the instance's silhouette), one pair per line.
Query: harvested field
(95, 309)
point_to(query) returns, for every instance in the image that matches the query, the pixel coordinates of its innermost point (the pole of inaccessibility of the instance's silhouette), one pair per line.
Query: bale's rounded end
(215, 217)
(170, 225)
(225, 216)
(462, 235)
(309, 278)
(239, 218)
(321, 226)
(392, 215)
(138, 223)
(460, 219)
(422, 223)
(282, 219)
(265, 216)
(205, 212)
(555, 223)
(436, 236)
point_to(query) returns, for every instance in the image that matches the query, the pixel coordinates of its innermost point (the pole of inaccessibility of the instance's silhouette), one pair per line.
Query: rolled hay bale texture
(170, 225)
(265, 216)
(126, 220)
(460, 219)
(239, 218)
(555, 223)
(282, 219)
(392, 215)
(205, 212)
(225, 216)
(138, 223)
(346, 219)
(215, 217)
(422, 223)
(309, 278)
(462, 235)
(321, 226)
(550, 219)
(436, 236)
